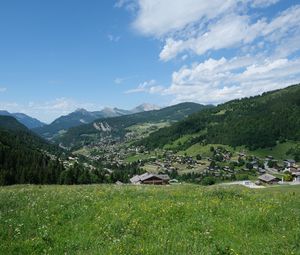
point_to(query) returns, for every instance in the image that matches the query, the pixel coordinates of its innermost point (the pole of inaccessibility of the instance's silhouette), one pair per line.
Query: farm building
(147, 178)
(268, 178)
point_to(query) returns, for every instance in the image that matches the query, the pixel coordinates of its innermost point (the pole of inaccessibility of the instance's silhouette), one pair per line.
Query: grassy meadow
(179, 219)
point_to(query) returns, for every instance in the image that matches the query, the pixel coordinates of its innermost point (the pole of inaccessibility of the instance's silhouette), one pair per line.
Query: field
(179, 219)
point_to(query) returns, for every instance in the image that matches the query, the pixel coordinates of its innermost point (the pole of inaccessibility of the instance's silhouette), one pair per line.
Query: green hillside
(118, 125)
(179, 219)
(256, 122)
(11, 124)
(25, 157)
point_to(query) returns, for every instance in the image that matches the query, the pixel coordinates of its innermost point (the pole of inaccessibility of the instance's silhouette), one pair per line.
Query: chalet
(261, 170)
(268, 178)
(289, 162)
(242, 154)
(254, 164)
(147, 178)
(293, 169)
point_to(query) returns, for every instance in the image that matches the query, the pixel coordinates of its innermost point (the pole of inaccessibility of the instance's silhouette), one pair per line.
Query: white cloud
(263, 3)
(2, 89)
(261, 51)
(157, 18)
(199, 27)
(215, 81)
(9, 106)
(120, 80)
(232, 31)
(150, 87)
(49, 110)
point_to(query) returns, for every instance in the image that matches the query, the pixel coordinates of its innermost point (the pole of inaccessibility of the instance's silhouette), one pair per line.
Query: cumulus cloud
(233, 31)
(148, 87)
(157, 18)
(218, 80)
(260, 52)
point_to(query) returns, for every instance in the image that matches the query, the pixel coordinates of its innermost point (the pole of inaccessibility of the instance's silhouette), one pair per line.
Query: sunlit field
(180, 219)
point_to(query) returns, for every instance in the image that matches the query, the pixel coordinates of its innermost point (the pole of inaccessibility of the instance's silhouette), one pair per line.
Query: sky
(60, 55)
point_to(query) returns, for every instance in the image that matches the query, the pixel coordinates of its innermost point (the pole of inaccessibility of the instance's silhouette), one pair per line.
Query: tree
(198, 157)
(208, 181)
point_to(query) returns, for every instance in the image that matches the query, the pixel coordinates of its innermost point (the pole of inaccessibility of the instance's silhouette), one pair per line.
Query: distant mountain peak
(81, 110)
(108, 109)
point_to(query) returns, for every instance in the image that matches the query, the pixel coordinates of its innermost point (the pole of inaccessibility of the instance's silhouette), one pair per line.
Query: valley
(150, 127)
(246, 139)
(158, 143)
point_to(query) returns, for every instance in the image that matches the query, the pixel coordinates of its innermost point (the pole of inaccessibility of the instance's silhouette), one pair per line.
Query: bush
(208, 181)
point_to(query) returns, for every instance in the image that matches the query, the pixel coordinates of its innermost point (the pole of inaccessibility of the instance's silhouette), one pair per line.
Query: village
(169, 167)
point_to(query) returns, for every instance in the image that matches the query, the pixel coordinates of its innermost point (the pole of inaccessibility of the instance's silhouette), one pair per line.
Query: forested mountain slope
(26, 120)
(24, 157)
(255, 122)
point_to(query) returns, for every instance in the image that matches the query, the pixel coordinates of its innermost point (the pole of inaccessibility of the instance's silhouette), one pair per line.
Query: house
(293, 169)
(268, 178)
(147, 178)
(289, 162)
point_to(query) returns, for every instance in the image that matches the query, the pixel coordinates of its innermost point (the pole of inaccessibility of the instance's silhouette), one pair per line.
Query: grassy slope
(278, 151)
(182, 219)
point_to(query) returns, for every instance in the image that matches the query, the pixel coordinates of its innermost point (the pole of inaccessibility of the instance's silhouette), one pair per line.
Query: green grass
(176, 143)
(147, 128)
(137, 157)
(83, 151)
(180, 219)
(203, 150)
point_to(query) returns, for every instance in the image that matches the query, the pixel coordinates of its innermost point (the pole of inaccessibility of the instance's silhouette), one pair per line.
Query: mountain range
(26, 120)
(118, 126)
(82, 116)
(262, 121)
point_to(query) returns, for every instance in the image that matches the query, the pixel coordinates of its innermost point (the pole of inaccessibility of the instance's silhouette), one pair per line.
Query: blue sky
(59, 55)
